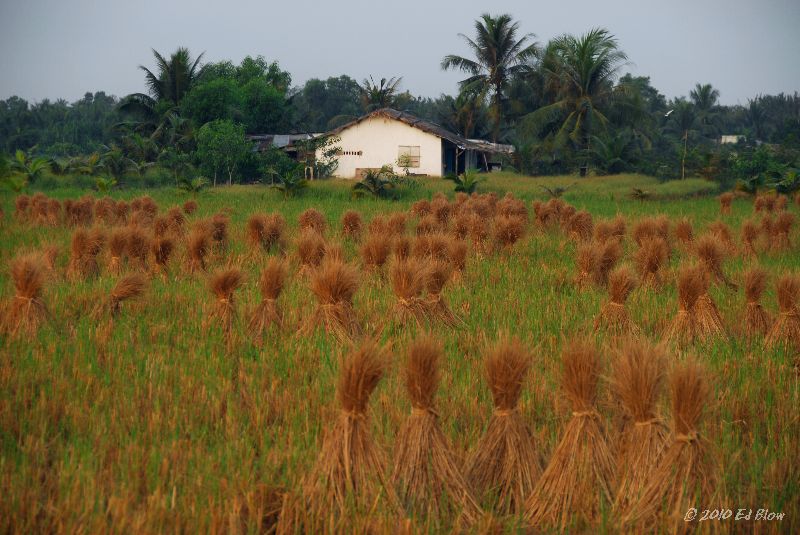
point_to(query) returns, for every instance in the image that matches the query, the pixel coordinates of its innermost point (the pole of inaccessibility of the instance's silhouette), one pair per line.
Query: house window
(350, 153)
(408, 156)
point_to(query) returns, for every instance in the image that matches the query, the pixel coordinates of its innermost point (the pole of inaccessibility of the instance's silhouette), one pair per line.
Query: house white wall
(378, 139)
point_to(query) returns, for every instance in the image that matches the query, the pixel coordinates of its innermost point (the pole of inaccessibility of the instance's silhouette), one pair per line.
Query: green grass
(149, 427)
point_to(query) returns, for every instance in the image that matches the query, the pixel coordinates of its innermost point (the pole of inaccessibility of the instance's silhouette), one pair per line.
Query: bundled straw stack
(334, 284)
(505, 461)
(425, 468)
(686, 474)
(614, 316)
(637, 381)
(691, 284)
(579, 478)
(267, 313)
(409, 279)
(756, 319)
(786, 329)
(350, 470)
(26, 312)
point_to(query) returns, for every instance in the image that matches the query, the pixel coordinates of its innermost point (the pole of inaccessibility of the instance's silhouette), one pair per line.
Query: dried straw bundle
(223, 283)
(427, 225)
(510, 206)
(781, 230)
(375, 250)
(579, 477)
(176, 221)
(764, 202)
(409, 278)
(310, 250)
(725, 201)
(439, 273)
(711, 255)
(708, 321)
(401, 247)
(22, 204)
(461, 224)
(396, 224)
(750, 232)
(50, 256)
(26, 312)
(457, 252)
(426, 470)
(505, 461)
(84, 248)
(137, 247)
(270, 285)
(610, 253)
(653, 253)
(121, 211)
(421, 208)
(756, 319)
(160, 226)
(117, 244)
(334, 284)
(786, 329)
(722, 232)
(53, 212)
(478, 233)
(312, 219)
(198, 245)
(580, 226)
(614, 316)
(352, 225)
(686, 474)
(691, 285)
(190, 207)
(432, 247)
(440, 208)
(587, 258)
(506, 231)
(128, 287)
(350, 470)
(254, 230)
(781, 202)
(219, 231)
(637, 381)
(684, 232)
(162, 250)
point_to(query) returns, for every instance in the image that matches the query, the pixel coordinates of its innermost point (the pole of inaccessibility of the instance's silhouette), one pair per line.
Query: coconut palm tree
(166, 87)
(376, 96)
(705, 97)
(582, 70)
(499, 57)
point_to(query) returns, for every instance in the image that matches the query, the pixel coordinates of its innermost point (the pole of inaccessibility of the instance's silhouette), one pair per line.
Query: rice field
(163, 413)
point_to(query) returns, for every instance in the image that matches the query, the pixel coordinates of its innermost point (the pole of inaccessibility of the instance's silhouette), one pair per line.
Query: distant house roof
(431, 128)
(279, 141)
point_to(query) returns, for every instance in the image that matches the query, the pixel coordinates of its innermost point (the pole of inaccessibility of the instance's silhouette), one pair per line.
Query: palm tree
(499, 57)
(705, 97)
(582, 71)
(31, 168)
(173, 79)
(376, 96)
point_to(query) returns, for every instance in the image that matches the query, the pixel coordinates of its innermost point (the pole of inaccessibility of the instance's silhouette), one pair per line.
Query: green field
(151, 427)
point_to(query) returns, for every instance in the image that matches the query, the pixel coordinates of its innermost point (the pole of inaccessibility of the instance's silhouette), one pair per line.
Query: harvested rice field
(237, 362)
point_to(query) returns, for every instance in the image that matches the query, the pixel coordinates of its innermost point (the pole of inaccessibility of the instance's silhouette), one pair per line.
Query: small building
(399, 139)
(286, 142)
(731, 139)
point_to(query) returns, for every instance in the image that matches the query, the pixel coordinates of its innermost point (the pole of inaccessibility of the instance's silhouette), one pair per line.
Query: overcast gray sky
(63, 48)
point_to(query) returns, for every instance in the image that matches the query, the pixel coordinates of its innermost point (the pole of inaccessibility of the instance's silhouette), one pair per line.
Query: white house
(388, 136)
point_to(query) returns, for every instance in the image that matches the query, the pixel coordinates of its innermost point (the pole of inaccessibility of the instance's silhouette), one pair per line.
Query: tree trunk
(683, 159)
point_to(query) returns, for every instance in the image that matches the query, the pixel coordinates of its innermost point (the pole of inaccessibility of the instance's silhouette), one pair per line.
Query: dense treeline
(565, 105)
